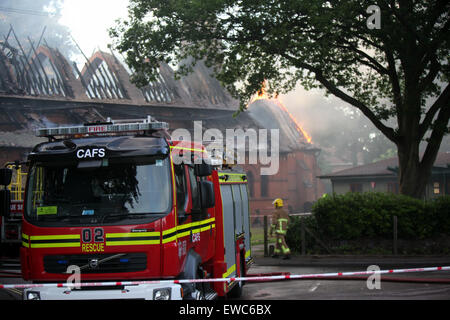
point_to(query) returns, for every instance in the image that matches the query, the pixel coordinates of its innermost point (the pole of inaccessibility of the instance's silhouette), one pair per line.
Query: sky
(89, 21)
(93, 34)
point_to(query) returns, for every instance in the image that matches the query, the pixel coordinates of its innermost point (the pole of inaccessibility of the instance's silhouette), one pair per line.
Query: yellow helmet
(278, 202)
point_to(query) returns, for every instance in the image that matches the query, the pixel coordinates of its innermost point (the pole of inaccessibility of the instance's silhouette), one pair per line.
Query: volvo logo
(93, 263)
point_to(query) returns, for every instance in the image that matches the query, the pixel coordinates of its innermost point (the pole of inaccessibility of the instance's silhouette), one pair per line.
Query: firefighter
(279, 224)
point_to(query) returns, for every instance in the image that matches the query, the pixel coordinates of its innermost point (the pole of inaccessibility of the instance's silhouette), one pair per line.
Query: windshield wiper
(54, 218)
(127, 215)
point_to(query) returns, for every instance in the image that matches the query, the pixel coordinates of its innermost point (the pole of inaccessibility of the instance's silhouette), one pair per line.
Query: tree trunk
(414, 169)
(411, 177)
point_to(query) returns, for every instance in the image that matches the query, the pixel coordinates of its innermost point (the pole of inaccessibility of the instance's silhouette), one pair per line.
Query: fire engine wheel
(200, 287)
(193, 270)
(236, 291)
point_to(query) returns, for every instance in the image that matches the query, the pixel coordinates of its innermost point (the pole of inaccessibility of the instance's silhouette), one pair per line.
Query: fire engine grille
(97, 263)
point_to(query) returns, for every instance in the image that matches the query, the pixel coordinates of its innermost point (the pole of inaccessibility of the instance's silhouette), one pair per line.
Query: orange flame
(262, 95)
(298, 127)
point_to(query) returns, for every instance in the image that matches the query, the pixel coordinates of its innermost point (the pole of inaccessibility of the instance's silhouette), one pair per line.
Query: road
(318, 289)
(344, 289)
(9, 267)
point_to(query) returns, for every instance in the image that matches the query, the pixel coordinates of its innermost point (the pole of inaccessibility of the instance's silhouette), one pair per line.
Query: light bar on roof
(111, 126)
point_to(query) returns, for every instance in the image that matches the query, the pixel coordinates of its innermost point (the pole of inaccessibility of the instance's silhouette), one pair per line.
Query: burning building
(41, 88)
(296, 181)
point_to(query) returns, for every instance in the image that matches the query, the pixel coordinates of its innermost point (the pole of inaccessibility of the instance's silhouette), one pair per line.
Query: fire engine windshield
(107, 194)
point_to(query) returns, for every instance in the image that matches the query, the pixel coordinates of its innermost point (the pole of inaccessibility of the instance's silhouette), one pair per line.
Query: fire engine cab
(113, 201)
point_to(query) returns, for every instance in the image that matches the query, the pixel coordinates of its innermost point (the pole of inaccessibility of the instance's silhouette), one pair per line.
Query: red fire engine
(114, 201)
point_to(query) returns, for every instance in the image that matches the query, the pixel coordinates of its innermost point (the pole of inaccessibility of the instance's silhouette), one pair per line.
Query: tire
(191, 271)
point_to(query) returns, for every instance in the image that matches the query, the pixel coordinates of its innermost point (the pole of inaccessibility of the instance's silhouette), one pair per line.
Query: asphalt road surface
(345, 289)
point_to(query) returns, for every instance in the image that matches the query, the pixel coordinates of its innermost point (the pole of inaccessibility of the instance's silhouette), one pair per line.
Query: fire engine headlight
(162, 294)
(33, 295)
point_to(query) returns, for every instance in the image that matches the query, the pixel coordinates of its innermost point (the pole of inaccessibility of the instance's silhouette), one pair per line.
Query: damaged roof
(268, 114)
(20, 117)
(103, 78)
(45, 90)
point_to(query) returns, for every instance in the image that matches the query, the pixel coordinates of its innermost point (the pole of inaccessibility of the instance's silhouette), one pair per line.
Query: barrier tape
(248, 279)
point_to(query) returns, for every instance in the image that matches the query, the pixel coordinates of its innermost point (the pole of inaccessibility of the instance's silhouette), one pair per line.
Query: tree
(389, 60)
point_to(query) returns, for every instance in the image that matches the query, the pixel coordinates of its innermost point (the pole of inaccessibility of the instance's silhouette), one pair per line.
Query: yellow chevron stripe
(56, 237)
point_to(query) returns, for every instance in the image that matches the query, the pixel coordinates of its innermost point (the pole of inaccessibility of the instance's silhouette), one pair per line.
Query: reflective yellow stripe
(51, 241)
(205, 228)
(25, 243)
(126, 238)
(169, 230)
(55, 245)
(185, 230)
(167, 240)
(208, 220)
(229, 271)
(171, 238)
(247, 254)
(132, 234)
(129, 243)
(56, 237)
(183, 227)
(193, 225)
(231, 177)
(190, 149)
(280, 225)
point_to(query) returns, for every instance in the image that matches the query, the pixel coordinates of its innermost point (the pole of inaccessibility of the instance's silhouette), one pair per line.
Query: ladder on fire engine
(16, 186)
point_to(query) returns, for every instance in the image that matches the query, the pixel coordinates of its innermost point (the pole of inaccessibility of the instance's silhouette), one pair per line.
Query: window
(392, 187)
(436, 188)
(194, 188)
(119, 190)
(355, 187)
(250, 180)
(180, 185)
(264, 186)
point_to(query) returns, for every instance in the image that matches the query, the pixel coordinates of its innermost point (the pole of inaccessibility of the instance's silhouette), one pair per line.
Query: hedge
(355, 216)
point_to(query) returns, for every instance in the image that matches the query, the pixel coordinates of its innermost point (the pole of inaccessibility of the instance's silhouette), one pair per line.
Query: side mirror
(5, 176)
(202, 169)
(207, 194)
(5, 203)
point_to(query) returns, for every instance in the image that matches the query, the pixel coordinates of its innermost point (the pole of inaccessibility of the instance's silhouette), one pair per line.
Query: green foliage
(370, 215)
(387, 73)
(293, 236)
(441, 207)
(363, 223)
(317, 43)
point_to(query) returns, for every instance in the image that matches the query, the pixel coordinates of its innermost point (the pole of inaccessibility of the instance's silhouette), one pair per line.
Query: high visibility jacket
(280, 221)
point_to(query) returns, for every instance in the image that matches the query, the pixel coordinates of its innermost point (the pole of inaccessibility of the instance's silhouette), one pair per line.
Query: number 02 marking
(99, 233)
